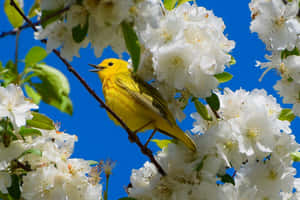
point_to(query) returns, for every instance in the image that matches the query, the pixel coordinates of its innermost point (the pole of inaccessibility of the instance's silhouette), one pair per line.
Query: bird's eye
(110, 64)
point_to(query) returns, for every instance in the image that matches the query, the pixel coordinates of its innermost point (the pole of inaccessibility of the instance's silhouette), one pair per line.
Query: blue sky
(99, 137)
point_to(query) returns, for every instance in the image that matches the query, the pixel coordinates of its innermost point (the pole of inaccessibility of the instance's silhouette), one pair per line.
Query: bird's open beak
(97, 68)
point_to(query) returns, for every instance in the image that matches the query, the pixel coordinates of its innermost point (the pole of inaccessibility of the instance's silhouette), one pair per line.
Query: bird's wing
(145, 94)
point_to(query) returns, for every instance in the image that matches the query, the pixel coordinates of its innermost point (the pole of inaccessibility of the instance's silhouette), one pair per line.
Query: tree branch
(215, 112)
(17, 50)
(16, 30)
(132, 136)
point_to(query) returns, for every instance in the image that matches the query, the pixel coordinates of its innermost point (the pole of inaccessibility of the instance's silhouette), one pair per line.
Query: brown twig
(17, 50)
(21, 165)
(15, 30)
(215, 113)
(132, 136)
(234, 173)
(50, 16)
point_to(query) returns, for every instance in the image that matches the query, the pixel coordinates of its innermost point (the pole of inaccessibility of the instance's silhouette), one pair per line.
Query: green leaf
(226, 178)
(11, 66)
(14, 190)
(6, 137)
(127, 198)
(31, 151)
(79, 33)
(182, 1)
(290, 79)
(286, 115)
(40, 121)
(213, 102)
(54, 88)
(224, 77)
(12, 14)
(79, 2)
(93, 162)
(35, 55)
(7, 132)
(169, 4)
(162, 143)
(35, 9)
(46, 14)
(295, 156)
(29, 132)
(5, 196)
(132, 44)
(51, 97)
(9, 74)
(36, 98)
(232, 61)
(286, 53)
(54, 76)
(201, 109)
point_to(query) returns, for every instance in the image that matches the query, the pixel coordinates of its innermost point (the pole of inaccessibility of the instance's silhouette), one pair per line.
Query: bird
(138, 104)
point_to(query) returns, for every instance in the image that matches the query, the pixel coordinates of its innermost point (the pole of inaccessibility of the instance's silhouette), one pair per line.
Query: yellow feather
(136, 102)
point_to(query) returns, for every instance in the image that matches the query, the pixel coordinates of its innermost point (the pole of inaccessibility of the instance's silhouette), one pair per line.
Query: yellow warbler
(136, 102)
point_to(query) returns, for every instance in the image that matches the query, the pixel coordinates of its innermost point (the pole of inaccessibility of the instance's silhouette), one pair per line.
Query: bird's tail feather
(177, 133)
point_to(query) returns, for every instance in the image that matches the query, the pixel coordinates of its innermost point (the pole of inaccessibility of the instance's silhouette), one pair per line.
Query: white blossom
(188, 48)
(269, 177)
(146, 13)
(44, 160)
(100, 20)
(290, 92)
(59, 34)
(247, 137)
(5, 182)
(14, 106)
(275, 22)
(7, 154)
(55, 175)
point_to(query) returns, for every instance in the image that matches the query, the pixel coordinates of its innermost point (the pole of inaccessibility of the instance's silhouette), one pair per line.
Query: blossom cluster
(182, 50)
(88, 21)
(187, 48)
(245, 153)
(36, 161)
(278, 26)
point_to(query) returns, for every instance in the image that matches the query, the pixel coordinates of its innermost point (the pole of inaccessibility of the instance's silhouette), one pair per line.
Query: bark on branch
(27, 25)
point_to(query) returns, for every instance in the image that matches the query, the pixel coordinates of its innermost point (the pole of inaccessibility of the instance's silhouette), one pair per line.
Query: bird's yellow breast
(136, 102)
(130, 111)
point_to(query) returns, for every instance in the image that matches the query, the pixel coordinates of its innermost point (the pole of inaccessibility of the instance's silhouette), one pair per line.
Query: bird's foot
(149, 139)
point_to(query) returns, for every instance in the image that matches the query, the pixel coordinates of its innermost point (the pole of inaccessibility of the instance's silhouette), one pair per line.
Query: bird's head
(109, 67)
